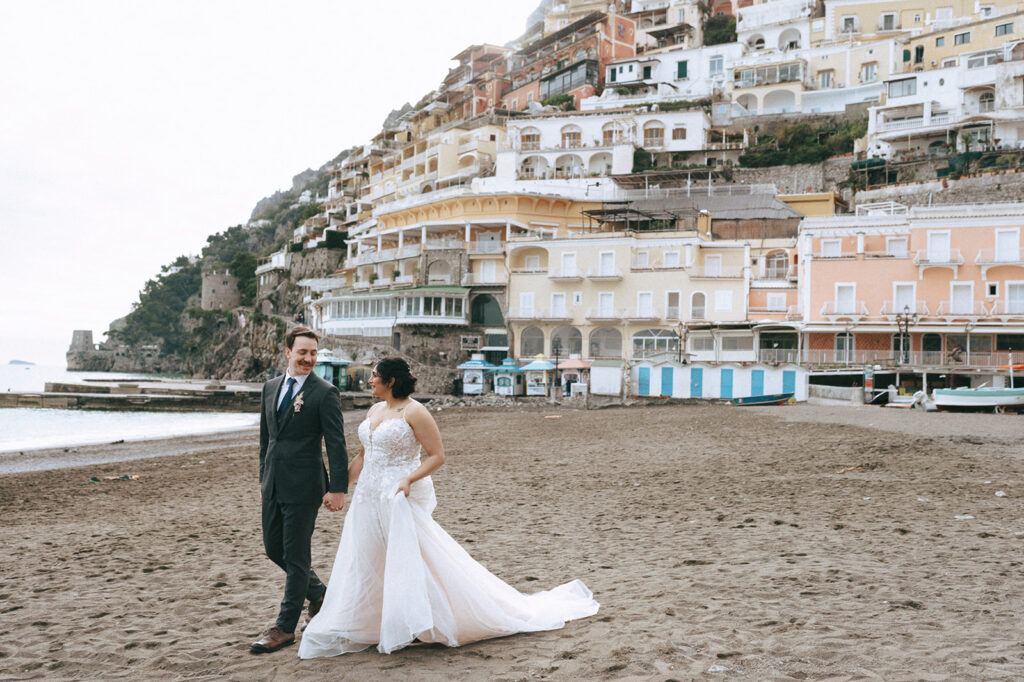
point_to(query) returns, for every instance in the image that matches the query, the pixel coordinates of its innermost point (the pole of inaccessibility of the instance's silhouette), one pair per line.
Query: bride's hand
(403, 486)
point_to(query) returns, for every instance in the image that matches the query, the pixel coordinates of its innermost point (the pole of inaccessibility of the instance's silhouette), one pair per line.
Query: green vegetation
(332, 240)
(243, 267)
(678, 105)
(802, 143)
(642, 160)
(565, 102)
(719, 29)
(157, 315)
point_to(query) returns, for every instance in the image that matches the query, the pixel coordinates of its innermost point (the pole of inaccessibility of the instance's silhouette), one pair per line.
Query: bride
(398, 576)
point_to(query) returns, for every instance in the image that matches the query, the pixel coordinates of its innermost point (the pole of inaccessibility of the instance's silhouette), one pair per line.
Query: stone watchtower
(81, 339)
(220, 290)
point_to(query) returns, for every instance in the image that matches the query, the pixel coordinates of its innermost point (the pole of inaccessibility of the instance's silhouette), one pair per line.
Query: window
(848, 24)
(776, 265)
(647, 72)
(789, 72)
(844, 347)
(846, 299)
(526, 303)
(702, 343)
(606, 260)
(531, 342)
(896, 247)
(642, 259)
(775, 301)
(986, 10)
(672, 305)
(723, 301)
(558, 305)
(713, 266)
(716, 64)
(825, 80)
(1014, 298)
(738, 343)
(533, 263)
(962, 38)
(902, 297)
(571, 139)
(903, 88)
(917, 18)
(577, 298)
(654, 135)
(940, 41)
(888, 22)
(645, 304)
(831, 248)
(1004, 29)
(606, 342)
(606, 304)
(947, 63)
(962, 298)
(980, 60)
(531, 141)
(679, 133)
(919, 54)
(869, 73)
(698, 304)
(671, 259)
(992, 289)
(680, 71)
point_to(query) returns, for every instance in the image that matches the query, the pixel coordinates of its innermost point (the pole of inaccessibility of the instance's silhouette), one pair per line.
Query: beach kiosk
(537, 373)
(509, 378)
(474, 374)
(332, 368)
(575, 375)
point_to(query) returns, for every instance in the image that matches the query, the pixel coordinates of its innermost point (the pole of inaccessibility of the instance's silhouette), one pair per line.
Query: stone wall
(805, 177)
(220, 290)
(315, 263)
(993, 186)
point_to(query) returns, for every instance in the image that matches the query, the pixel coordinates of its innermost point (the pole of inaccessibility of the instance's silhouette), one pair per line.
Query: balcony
(495, 248)
(716, 273)
(540, 270)
(962, 309)
(567, 274)
(557, 314)
(833, 254)
(853, 310)
(642, 315)
(524, 314)
(381, 283)
(951, 259)
(471, 279)
(990, 258)
(444, 243)
(777, 356)
(604, 315)
(1008, 309)
(793, 313)
(605, 274)
(362, 284)
(672, 313)
(408, 251)
(891, 309)
(404, 281)
(767, 310)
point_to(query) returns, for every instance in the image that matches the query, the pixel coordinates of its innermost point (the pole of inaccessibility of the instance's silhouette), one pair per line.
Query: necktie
(287, 399)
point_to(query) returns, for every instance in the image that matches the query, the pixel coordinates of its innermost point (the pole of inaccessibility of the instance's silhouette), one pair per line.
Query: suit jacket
(291, 464)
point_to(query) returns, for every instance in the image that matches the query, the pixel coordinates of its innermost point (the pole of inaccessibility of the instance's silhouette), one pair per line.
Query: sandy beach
(801, 542)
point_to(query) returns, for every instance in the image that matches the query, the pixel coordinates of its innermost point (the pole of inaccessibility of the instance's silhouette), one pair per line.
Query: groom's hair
(296, 332)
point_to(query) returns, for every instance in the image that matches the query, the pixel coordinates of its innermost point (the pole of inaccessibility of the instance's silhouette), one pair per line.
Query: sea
(29, 428)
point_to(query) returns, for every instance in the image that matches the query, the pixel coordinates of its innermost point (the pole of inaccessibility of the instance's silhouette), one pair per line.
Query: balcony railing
(672, 313)
(641, 314)
(835, 254)
(540, 270)
(768, 310)
(603, 314)
(776, 272)
(1008, 309)
(793, 313)
(361, 285)
(446, 243)
(404, 280)
(485, 248)
(525, 314)
(926, 258)
(567, 274)
(894, 358)
(408, 251)
(994, 257)
(471, 279)
(854, 309)
(778, 355)
(716, 273)
(605, 274)
(894, 308)
(962, 309)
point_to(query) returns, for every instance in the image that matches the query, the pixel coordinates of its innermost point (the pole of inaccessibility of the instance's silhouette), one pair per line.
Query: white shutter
(606, 304)
(645, 303)
(713, 266)
(1007, 245)
(846, 298)
(569, 264)
(903, 297)
(526, 303)
(938, 247)
(1015, 299)
(962, 295)
(558, 305)
(607, 264)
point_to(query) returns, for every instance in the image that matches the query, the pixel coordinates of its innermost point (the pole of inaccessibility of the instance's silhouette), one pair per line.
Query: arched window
(531, 342)
(572, 137)
(606, 342)
(987, 101)
(565, 341)
(844, 347)
(485, 310)
(529, 139)
(776, 265)
(439, 272)
(697, 306)
(654, 134)
(654, 341)
(580, 55)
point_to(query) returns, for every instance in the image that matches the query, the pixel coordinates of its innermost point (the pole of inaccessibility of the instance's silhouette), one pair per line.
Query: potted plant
(373, 277)
(396, 273)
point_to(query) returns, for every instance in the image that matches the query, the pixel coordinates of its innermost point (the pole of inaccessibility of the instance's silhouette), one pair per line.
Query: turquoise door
(757, 382)
(645, 381)
(726, 383)
(696, 382)
(666, 381)
(789, 381)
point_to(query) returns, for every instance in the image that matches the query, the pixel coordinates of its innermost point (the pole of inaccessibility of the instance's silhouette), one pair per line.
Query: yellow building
(947, 47)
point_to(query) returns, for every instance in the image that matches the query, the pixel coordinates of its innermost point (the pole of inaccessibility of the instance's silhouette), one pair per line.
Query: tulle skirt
(399, 576)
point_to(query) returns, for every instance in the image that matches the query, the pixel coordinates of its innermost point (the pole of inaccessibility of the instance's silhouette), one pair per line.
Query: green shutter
(680, 69)
(906, 55)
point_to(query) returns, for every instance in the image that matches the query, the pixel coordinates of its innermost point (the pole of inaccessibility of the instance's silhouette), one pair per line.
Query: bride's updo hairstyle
(397, 369)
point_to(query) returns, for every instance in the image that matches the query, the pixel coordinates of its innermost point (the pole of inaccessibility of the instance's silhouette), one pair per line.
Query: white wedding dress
(399, 577)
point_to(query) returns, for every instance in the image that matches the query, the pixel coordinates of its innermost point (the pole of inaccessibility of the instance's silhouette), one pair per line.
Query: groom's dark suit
(293, 481)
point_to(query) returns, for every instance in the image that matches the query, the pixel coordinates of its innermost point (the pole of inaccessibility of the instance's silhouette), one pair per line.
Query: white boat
(985, 398)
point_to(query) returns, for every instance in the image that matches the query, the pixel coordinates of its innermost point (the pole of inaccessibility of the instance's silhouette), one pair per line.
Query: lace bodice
(390, 453)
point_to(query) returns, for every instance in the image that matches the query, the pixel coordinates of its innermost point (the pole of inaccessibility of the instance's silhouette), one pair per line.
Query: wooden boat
(772, 399)
(985, 398)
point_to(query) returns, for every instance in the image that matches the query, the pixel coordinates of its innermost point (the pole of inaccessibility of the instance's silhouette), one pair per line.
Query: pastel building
(924, 291)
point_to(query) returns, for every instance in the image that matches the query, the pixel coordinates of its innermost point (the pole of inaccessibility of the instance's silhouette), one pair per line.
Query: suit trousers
(287, 535)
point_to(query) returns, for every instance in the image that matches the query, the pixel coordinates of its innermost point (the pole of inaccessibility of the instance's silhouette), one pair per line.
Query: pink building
(935, 294)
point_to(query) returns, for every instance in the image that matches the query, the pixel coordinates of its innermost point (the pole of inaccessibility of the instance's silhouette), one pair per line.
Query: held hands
(334, 501)
(403, 486)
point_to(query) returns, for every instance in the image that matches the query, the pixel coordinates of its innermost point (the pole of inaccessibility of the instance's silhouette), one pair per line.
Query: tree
(719, 29)
(243, 267)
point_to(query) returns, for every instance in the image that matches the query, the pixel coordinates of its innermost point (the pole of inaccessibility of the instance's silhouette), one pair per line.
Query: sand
(798, 542)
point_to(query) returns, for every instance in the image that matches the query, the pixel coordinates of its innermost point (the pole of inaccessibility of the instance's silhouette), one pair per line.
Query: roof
(539, 365)
(558, 35)
(475, 364)
(574, 363)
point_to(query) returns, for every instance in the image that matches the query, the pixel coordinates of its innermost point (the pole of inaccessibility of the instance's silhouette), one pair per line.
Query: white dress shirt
(299, 380)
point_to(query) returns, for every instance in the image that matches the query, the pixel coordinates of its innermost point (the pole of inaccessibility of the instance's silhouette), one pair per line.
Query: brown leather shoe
(273, 639)
(313, 609)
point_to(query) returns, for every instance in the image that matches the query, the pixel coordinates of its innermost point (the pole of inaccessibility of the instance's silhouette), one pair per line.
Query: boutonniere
(298, 403)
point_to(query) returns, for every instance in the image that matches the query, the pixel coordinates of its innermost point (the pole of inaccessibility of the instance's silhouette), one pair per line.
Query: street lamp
(903, 322)
(556, 350)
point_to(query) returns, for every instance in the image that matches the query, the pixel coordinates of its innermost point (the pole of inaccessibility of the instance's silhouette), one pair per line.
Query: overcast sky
(129, 131)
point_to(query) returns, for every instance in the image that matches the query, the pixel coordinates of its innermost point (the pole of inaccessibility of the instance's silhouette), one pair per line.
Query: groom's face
(301, 356)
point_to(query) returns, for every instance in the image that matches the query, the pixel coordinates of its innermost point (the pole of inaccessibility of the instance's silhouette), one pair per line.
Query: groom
(299, 410)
